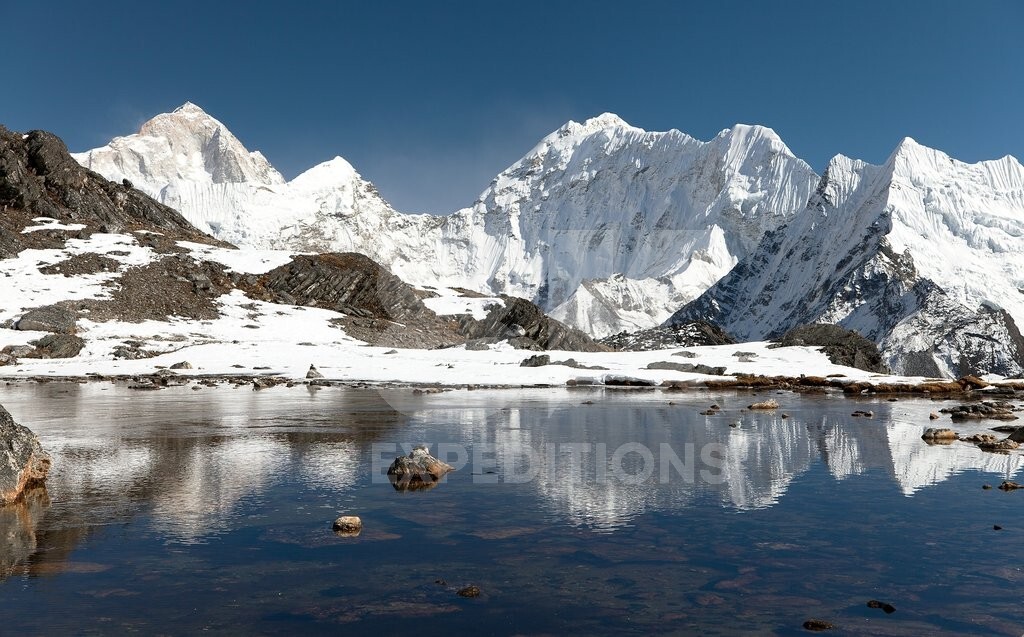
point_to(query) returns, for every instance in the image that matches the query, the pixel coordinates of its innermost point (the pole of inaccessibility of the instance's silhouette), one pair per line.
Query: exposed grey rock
(23, 463)
(538, 360)
(182, 365)
(689, 334)
(57, 346)
(687, 367)
(49, 318)
(313, 372)
(526, 326)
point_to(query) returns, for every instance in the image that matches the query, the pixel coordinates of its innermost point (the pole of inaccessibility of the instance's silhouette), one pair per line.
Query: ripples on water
(183, 511)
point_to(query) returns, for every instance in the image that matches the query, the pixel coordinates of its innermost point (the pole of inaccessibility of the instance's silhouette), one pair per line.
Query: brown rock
(817, 625)
(348, 525)
(771, 403)
(469, 591)
(23, 463)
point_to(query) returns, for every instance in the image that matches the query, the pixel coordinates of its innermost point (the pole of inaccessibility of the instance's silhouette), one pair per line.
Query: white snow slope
(924, 254)
(605, 225)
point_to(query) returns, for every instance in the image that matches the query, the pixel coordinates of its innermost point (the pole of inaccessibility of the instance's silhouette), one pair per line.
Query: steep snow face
(924, 255)
(186, 145)
(648, 220)
(612, 227)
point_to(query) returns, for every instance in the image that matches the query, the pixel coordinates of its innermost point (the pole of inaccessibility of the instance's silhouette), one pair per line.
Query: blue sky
(430, 100)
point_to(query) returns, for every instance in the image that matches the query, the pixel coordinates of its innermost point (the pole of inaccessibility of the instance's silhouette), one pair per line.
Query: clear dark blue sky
(430, 100)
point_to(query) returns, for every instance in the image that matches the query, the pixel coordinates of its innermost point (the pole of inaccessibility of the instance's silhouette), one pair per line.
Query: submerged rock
(817, 625)
(418, 470)
(23, 463)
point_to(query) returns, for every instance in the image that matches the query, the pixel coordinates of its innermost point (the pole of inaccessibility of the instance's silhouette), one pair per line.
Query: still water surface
(182, 511)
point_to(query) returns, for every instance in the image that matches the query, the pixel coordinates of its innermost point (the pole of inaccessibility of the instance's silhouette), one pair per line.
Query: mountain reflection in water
(187, 460)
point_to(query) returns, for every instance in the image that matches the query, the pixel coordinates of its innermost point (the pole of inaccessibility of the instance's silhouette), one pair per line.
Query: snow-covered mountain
(924, 255)
(607, 226)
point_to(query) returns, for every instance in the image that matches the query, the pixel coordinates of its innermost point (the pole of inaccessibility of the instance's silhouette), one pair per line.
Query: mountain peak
(189, 108)
(605, 120)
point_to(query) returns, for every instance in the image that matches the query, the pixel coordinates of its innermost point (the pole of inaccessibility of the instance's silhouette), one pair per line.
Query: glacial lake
(181, 511)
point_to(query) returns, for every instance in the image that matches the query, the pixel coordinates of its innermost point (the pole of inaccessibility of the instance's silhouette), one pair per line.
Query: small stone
(996, 527)
(182, 365)
(313, 372)
(938, 434)
(888, 608)
(933, 416)
(1009, 485)
(734, 424)
(817, 625)
(771, 403)
(986, 486)
(785, 416)
(469, 591)
(348, 525)
(440, 582)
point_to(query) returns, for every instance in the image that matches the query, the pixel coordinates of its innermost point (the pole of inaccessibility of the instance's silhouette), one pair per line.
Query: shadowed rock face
(23, 463)
(842, 346)
(527, 327)
(38, 178)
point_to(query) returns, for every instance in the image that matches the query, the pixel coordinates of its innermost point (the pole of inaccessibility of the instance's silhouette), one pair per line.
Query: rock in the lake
(23, 463)
(182, 365)
(981, 411)
(771, 403)
(49, 318)
(313, 372)
(933, 416)
(1009, 485)
(998, 445)
(817, 625)
(469, 591)
(418, 470)
(888, 608)
(934, 433)
(1017, 435)
(348, 525)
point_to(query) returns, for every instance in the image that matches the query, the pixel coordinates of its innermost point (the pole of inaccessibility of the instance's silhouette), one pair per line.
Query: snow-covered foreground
(265, 338)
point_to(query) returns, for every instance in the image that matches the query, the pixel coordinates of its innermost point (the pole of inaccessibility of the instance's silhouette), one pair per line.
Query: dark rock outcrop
(380, 308)
(38, 178)
(49, 318)
(527, 327)
(687, 367)
(842, 346)
(57, 346)
(689, 334)
(23, 463)
(986, 410)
